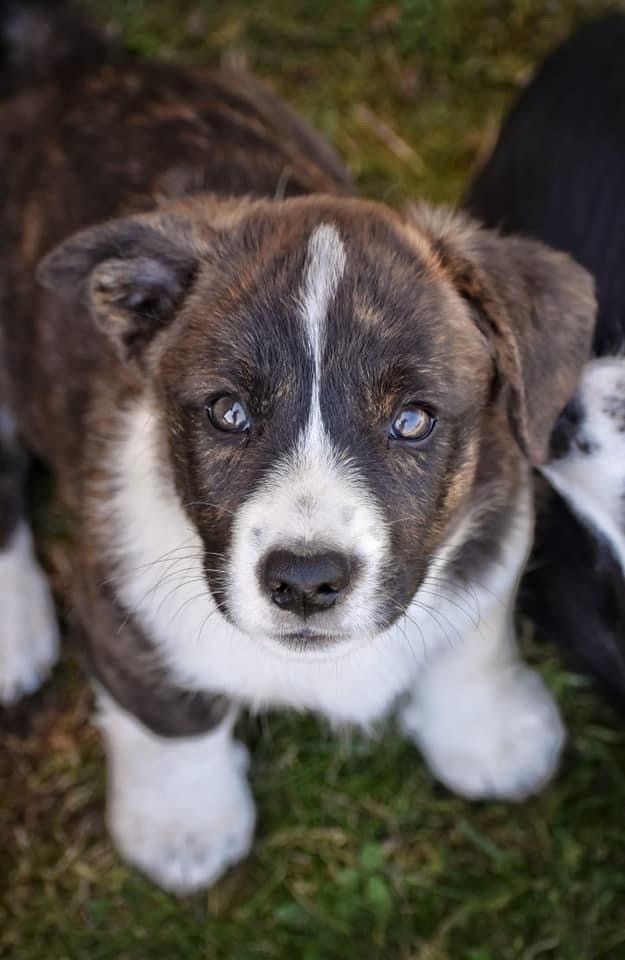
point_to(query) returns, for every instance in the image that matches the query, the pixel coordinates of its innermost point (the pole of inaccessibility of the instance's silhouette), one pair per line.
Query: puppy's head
(329, 377)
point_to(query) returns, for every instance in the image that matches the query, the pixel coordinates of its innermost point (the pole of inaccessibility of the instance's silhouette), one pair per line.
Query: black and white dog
(558, 174)
(295, 429)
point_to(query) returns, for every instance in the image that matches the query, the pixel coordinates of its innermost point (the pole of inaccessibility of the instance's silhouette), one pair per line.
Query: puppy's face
(324, 392)
(327, 375)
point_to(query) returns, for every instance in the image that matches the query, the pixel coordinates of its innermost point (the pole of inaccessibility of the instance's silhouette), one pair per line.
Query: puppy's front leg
(485, 722)
(180, 809)
(29, 636)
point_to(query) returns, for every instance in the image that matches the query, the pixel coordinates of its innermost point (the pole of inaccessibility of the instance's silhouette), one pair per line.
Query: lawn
(359, 854)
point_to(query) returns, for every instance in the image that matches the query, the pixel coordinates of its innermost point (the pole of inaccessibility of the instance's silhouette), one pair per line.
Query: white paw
(180, 810)
(29, 635)
(184, 842)
(498, 734)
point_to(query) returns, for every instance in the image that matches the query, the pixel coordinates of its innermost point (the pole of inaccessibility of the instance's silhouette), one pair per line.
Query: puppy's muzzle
(305, 584)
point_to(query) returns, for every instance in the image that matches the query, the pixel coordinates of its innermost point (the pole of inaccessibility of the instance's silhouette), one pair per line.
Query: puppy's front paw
(179, 810)
(493, 735)
(29, 635)
(184, 842)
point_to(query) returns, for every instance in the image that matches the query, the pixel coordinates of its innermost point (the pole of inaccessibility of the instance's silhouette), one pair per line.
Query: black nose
(305, 584)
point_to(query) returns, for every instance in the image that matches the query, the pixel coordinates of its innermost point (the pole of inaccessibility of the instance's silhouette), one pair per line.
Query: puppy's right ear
(133, 274)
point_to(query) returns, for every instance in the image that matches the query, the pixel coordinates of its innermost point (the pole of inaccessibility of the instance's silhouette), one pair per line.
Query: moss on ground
(359, 854)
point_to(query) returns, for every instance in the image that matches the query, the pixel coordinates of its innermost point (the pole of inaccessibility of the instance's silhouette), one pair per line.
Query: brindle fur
(447, 310)
(145, 134)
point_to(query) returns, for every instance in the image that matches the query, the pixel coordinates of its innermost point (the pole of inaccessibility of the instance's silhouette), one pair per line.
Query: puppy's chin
(309, 645)
(308, 640)
(313, 642)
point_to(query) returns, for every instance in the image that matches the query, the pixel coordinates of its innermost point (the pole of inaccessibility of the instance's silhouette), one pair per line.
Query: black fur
(558, 170)
(40, 39)
(558, 174)
(12, 474)
(574, 591)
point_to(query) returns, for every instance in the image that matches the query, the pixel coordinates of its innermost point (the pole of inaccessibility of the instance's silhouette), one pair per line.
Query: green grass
(359, 854)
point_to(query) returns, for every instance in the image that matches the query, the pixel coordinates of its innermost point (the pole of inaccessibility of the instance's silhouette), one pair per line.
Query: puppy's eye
(412, 423)
(228, 414)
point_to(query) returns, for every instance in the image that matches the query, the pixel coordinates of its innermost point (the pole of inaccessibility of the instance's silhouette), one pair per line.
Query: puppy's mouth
(329, 631)
(309, 639)
(307, 602)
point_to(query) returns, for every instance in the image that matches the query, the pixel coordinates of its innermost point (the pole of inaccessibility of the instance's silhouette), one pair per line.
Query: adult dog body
(294, 430)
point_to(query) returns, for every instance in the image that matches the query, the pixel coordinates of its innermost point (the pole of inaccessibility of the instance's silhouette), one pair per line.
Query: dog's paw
(184, 843)
(179, 810)
(29, 634)
(495, 735)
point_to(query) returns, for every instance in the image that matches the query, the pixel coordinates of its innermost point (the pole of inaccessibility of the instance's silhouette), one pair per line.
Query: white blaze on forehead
(325, 265)
(314, 496)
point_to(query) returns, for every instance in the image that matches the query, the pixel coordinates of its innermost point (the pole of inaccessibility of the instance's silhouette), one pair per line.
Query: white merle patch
(590, 474)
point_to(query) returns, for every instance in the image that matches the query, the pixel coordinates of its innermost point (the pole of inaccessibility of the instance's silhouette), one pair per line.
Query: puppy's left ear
(535, 306)
(132, 273)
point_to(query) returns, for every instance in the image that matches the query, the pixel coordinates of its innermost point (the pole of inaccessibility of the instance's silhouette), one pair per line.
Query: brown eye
(228, 414)
(412, 423)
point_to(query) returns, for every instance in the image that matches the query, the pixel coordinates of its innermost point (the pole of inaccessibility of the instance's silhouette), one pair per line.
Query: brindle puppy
(294, 430)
